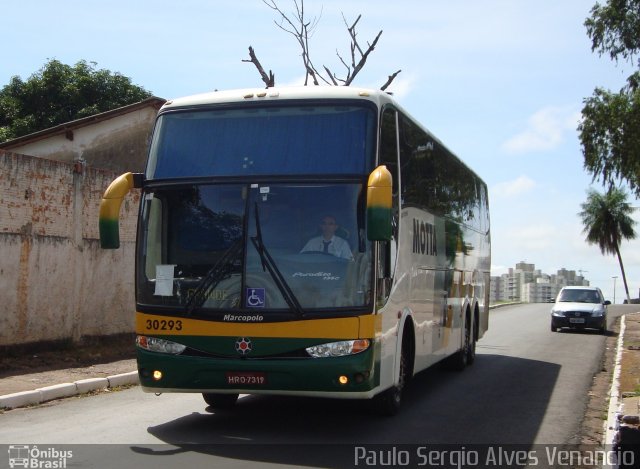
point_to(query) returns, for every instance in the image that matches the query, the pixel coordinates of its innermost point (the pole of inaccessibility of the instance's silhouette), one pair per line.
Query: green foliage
(610, 136)
(59, 93)
(607, 219)
(607, 222)
(610, 130)
(615, 28)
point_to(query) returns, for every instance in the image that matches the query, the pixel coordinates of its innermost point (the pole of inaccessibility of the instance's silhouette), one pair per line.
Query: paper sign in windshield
(164, 279)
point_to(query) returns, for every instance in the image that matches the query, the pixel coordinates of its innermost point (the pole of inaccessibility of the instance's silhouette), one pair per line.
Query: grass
(630, 369)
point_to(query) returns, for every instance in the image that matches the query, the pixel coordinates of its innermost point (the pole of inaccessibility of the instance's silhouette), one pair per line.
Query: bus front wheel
(220, 401)
(388, 402)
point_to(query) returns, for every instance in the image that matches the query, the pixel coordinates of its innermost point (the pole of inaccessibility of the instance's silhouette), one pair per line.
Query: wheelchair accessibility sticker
(255, 297)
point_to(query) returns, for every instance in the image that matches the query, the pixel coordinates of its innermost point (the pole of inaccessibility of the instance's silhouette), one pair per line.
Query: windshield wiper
(220, 270)
(269, 264)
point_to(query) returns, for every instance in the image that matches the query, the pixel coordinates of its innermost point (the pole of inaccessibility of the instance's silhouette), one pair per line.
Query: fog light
(343, 379)
(157, 375)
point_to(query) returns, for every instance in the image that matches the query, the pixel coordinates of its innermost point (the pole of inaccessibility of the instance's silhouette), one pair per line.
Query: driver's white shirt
(338, 247)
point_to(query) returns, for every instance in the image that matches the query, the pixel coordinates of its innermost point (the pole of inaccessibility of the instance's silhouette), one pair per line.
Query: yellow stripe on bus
(366, 326)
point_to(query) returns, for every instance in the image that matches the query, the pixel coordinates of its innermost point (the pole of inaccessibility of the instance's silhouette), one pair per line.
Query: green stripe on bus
(109, 233)
(379, 226)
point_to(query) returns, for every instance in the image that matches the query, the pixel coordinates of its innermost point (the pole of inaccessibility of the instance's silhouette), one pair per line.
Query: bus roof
(253, 95)
(278, 93)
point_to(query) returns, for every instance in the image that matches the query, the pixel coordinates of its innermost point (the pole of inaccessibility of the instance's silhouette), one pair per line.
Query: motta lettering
(424, 238)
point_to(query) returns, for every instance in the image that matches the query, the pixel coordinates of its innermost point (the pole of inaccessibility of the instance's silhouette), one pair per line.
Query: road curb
(57, 391)
(611, 424)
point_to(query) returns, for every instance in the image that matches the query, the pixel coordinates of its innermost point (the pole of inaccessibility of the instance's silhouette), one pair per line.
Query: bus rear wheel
(467, 354)
(220, 401)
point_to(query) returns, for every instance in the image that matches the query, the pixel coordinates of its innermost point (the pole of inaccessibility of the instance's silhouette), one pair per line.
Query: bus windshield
(283, 139)
(254, 248)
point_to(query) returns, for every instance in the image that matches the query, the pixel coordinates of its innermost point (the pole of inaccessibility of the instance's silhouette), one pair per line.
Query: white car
(580, 308)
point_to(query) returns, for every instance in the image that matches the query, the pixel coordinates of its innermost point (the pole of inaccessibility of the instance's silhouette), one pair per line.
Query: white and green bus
(312, 241)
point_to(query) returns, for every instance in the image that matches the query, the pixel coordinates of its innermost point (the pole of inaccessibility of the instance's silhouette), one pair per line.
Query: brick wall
(55, 281)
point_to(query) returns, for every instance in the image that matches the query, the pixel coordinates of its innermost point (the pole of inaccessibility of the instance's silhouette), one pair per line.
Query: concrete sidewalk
(623, 423)
(27, 389)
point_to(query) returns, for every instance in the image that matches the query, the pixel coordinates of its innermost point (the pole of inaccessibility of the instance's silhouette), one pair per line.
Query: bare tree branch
(302, 30)
(331, 76)
(352, 32)
(301, 33)
(389, 80)
(356, 46)
(357, 63)
(269, 80)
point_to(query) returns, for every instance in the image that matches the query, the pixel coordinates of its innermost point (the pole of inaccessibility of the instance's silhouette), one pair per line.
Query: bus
(236, 289)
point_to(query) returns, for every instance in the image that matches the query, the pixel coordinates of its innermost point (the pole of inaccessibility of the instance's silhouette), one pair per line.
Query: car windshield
(254, 248)
(579, 296)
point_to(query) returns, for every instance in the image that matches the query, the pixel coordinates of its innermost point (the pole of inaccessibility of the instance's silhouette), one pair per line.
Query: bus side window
(389, 145)
(389, 157)
(153, 236)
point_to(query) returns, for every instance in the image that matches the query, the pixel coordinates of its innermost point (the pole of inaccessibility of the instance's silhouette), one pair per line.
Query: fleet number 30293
(163, 325)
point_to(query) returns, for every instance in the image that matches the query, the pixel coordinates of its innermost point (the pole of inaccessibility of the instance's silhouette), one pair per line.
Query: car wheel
(553, 328)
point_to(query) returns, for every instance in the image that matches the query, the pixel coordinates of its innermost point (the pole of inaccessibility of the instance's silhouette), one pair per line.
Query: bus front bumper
(348, 376)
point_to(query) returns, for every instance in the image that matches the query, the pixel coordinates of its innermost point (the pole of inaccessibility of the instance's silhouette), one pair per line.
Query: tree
(302, 29)
(610, 130)
(59, 93)
(607, 221)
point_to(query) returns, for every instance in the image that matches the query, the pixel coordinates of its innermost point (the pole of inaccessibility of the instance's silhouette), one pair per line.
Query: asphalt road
(528, 386)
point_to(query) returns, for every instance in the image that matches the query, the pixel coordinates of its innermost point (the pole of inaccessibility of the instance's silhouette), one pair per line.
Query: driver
(328, 242)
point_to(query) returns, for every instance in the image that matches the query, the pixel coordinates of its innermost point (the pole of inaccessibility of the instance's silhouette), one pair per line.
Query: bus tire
(220, 401)
(471, 352)
(459, 360)
(388, 402)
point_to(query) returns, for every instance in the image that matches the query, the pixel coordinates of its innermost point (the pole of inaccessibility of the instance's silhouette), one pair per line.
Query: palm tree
(607, 221)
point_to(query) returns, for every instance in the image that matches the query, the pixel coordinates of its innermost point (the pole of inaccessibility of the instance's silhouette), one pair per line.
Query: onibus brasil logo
(34, 457)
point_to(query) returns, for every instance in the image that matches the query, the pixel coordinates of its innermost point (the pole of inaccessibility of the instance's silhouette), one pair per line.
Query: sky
(500, 82)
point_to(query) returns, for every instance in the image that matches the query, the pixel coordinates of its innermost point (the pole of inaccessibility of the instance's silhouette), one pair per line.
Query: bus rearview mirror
(379, 201)
(110, 208)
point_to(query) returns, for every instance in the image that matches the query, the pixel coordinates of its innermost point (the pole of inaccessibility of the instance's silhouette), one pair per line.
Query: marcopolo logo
(34, 457)
(243, 318)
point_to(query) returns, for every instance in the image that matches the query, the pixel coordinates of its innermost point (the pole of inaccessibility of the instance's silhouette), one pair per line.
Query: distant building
(527, 284)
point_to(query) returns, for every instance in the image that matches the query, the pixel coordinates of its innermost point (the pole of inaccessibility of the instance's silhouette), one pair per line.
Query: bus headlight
(339, 349)
(154, 344)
